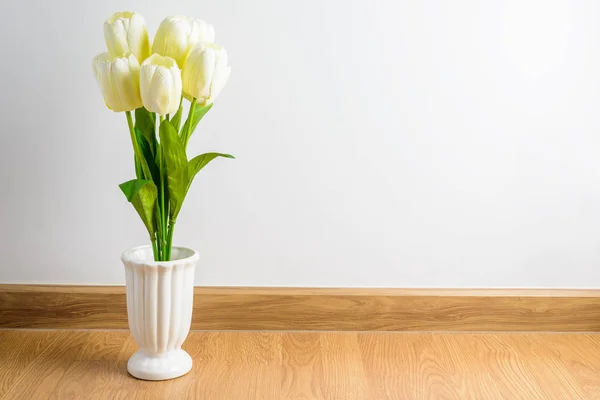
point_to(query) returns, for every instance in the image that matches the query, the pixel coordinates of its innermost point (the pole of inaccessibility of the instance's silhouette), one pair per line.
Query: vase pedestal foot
(159, 367)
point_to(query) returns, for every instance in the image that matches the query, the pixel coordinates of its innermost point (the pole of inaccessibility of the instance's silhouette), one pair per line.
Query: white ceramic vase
(159, 308)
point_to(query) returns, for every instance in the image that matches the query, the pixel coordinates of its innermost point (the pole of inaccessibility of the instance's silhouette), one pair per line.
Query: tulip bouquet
(152, 80)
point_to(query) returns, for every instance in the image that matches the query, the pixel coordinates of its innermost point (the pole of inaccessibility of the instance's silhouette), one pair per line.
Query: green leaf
(176, 120)
(176, 167)
(199, 162)
(143, 194)
(145, 123)
(148, 154)
(199, 112)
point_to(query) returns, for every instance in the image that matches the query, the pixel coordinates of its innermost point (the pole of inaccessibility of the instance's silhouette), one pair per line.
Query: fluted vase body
(159, 309)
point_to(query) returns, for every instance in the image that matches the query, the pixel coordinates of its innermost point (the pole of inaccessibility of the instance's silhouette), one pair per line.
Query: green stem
(155, 250)
(167, 225)
(190, 122)
(136, 147)
(162, 192)
(161, 209)
(139, 174)
(159, 244)
(164, 209)
(170, 239)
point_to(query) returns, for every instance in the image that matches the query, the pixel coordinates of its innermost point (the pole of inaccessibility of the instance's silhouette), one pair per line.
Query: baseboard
(233, 308)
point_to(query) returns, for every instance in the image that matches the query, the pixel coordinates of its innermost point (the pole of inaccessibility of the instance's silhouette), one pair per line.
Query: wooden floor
(300, 365)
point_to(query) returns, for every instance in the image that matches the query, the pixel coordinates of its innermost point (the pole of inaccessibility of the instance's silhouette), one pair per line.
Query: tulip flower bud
(126, 32)
(160, 84)
(177, 35)
(205, 72)
(119, 81)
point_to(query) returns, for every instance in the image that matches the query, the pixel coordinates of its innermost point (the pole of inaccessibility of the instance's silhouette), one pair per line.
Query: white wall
(379, 143)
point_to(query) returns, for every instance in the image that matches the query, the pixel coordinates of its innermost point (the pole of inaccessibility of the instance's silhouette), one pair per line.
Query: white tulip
(205, 72)
(119, 81)
(177, 35)
(160, 84)
(126, 32)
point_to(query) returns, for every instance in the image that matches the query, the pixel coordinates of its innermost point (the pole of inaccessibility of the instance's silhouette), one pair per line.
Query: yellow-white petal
(126, 32)
(205, 72)
(177, 35)
(221, 74)
(119, 81)
(160, 84)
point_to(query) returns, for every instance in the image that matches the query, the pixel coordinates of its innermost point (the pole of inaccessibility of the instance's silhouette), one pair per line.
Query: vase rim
(132, 256)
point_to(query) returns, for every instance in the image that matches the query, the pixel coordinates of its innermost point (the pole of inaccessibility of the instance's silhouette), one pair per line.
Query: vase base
(159, 367)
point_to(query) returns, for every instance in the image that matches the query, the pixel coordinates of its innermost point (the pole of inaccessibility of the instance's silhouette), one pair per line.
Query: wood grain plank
(62, 307)
(301, 365)
(18, 352)
(49, 366)
(573, 358)
(102, 345)
(493, 369)
(471, 377)
(431, 364)
(236, 365)
(584, 364)
(223, 308)
(307, 291)
(89, 380)
(342, 372)
(555, 380)
(386, 366)
(447, 366)
(371, 312)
